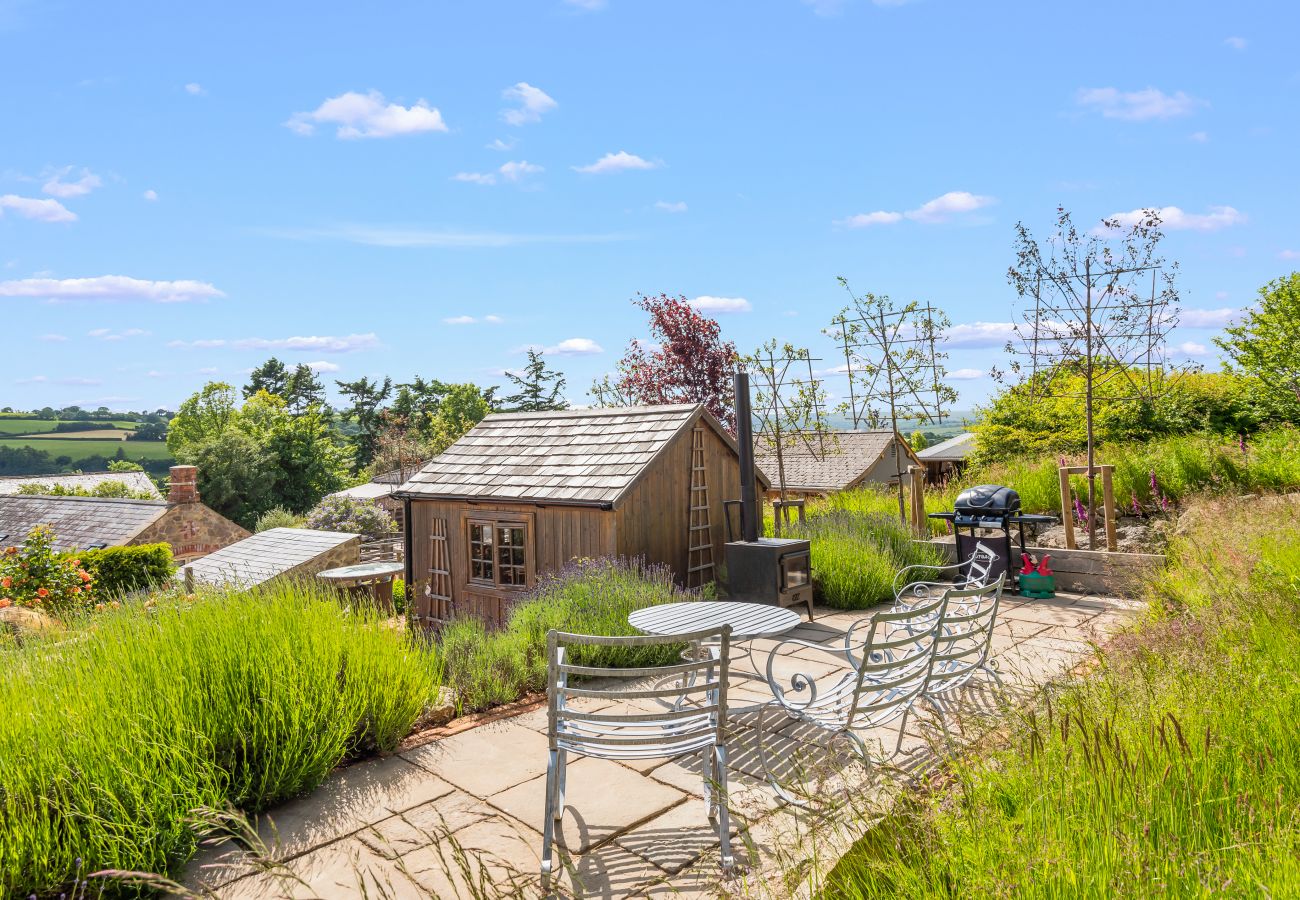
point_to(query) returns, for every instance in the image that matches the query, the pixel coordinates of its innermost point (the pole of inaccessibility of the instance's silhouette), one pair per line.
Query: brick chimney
(183, 486)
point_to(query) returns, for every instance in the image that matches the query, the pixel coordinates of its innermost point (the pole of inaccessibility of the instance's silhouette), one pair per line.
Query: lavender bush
(353, 516)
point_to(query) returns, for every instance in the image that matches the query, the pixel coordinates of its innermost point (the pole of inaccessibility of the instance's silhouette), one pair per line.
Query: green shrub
(1172, 770)
(855, 555)
(586, 597)
(278, 517)
(122, 570)
(370, 520)
(109, 488)
(110, 740)
(34, 576)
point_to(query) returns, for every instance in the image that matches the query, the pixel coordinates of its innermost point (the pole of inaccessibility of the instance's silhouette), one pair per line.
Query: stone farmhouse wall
(193, 530)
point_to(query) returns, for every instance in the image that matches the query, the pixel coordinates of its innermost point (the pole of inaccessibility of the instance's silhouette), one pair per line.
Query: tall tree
(1266, 345)
(303, 391)
(206, 414)
(538, 388)
(463, 407)
(367, 411)
(271, 376)
(685, 361)
(235, 474)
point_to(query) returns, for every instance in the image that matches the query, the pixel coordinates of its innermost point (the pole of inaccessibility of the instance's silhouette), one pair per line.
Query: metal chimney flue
(745, 442)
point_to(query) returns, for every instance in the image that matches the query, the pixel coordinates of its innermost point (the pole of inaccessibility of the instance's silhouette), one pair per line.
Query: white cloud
(979, 334)
(1236, 43)
(1200, 137)
(863, 220)
(493, 320)
(109, 287)
(1289, 254)
(1206, 318)
(314, 343)
(154, 373)
(54, 338)
(45, 379)
(368, 116)
(55, 186)
(459, 320)
(514, 172)
(622, 161)
(323, 365)
(1137, 106)
(108, 334)
(722, 304)
(209, 370)
(530, 103)
(577, 346)
(940, 209)
(195, 89)
(1191, 348)
(150, 195)
(39, 210)
(966, 374)
(665, 206)
(1173, 218)
(32, 379)
(586, 5)
(389, 236)
(501, 145)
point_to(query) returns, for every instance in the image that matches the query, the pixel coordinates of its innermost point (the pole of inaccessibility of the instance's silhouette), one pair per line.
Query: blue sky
(186, 189)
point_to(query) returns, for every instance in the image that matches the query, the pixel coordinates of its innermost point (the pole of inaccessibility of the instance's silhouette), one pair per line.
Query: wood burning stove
(776, 571)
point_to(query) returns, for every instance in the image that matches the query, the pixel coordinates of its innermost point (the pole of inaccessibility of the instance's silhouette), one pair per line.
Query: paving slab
(485, 760)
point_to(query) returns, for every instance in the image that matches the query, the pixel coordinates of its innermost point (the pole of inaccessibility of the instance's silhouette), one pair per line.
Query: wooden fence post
(1108, 504)
(916, 490)
(1067, 509)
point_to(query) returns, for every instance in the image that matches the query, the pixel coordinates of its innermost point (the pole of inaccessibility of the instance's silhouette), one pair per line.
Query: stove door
(796, 571)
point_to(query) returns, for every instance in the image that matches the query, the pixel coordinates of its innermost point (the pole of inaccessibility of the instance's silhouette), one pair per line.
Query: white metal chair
(968, 573)
(692, 723)
(888, 673)
(964, 642)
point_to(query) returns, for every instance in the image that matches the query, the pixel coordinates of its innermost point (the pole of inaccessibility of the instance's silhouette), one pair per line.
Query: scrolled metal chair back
(965, 636)
(896, 661)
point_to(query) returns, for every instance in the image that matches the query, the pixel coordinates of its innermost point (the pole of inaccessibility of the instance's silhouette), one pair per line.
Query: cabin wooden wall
(653, 520)
(556, 534)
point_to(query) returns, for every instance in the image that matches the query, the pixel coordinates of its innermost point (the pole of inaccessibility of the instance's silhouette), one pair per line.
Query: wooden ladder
(699, 556)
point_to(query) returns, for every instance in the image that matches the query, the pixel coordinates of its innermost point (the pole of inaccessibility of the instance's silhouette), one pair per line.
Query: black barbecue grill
(989, 507)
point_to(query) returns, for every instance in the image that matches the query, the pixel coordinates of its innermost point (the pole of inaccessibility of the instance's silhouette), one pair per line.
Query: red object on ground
(1043, 568)
(1028, 562)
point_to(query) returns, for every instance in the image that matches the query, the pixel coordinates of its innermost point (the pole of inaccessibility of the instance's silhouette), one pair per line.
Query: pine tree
(539, 388)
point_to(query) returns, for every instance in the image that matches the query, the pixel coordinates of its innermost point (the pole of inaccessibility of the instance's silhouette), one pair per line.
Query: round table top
(747, 620)
(362, 570)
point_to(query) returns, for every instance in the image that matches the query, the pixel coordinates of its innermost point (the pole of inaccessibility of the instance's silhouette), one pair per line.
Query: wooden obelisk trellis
(699, 557)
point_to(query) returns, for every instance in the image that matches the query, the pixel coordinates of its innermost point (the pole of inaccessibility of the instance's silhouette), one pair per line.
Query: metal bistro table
(748, 622)
(373, 580)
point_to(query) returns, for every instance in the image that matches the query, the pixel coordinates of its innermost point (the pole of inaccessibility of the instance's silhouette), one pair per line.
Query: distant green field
(79, 449)
(25, 425)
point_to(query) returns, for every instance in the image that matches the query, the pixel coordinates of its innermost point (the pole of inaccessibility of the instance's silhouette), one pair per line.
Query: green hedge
(121, 570)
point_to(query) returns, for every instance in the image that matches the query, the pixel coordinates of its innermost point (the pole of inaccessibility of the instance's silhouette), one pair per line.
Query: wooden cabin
(522, 494)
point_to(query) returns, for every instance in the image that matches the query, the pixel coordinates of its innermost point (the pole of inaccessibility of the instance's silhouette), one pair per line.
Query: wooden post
(916, 489)
(1108, 500)
(189, 579)
(1067, 512)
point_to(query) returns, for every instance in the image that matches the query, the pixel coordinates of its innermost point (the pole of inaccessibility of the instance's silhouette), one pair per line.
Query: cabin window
(498, 553)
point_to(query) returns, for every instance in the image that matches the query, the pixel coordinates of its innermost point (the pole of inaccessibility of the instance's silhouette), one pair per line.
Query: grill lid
(987, 500)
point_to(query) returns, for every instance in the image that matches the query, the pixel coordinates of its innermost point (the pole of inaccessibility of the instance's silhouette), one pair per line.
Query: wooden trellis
(699, 557)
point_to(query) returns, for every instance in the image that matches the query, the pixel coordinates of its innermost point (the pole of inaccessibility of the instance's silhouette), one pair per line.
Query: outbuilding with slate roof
(839, 461)
(522, 494)
(277, 553)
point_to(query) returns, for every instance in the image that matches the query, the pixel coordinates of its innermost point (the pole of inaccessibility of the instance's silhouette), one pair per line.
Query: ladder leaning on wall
(699, 556)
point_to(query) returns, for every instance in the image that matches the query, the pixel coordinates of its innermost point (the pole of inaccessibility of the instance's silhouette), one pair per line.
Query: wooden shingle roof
(265, 555)
(587, 457)
(837, 463)
(79, 522)
(954, 449)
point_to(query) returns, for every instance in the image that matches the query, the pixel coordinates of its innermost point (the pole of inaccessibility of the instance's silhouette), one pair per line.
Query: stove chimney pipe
(745, 441)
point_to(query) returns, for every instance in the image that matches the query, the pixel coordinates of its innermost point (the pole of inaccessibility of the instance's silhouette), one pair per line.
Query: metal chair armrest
(799, 681)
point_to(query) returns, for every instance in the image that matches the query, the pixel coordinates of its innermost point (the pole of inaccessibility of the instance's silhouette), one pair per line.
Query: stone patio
(461, 816)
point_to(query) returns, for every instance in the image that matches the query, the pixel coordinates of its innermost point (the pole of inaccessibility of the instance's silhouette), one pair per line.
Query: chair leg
(710, 779)
(561, 781)
(548, 826)
(719, 755)
(902, 731)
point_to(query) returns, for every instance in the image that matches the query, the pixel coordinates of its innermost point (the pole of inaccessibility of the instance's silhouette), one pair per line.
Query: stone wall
(193, 530)
(1088, 571)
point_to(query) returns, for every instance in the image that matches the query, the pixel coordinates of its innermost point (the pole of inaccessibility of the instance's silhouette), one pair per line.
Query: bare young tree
(789, 406)
(896, 371)
(1101, 303)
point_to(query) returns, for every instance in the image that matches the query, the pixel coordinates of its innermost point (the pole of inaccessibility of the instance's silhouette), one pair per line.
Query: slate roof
(136, 481)
(80, 522)
(371, 490)
(265, 555)
(587, 457)
(838, 462)
(955, 448)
